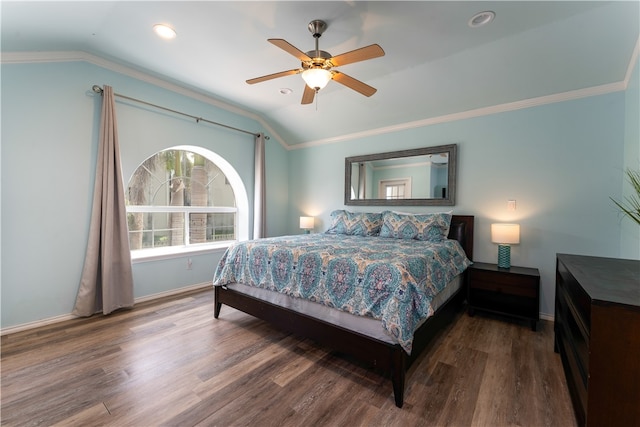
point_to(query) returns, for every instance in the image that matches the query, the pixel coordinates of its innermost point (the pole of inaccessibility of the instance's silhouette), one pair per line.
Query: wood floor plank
(298, 366)
(461, 403)
(152, 402)
(237, 400)
(92, 416)
(437, 388)
(230, 375)
(169, 362)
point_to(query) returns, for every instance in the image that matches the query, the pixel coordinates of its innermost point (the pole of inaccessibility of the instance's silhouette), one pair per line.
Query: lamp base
(504, 256)
(307, 231)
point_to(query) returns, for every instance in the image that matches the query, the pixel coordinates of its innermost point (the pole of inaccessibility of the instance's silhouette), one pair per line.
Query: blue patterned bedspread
(392, 280)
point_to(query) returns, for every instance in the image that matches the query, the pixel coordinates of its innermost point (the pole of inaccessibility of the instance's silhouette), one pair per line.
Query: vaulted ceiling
(435, 65)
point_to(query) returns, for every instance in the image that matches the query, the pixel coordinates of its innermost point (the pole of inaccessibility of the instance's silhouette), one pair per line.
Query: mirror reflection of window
(395, 192)
(394, 189)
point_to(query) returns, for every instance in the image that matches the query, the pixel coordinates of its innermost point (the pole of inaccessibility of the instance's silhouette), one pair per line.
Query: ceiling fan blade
(308, 95)
(354, 84)
(364, 53)
(289, 48)
(274, 76)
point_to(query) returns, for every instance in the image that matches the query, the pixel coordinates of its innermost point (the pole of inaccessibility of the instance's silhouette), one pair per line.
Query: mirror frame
(451, 149)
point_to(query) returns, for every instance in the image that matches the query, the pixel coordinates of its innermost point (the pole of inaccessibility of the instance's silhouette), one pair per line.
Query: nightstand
(511, 291)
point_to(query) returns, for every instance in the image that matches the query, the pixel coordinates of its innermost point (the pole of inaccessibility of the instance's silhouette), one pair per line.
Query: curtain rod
(98, 89)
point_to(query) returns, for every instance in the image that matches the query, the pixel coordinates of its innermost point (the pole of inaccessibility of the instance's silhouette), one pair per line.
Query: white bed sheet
(363, 325)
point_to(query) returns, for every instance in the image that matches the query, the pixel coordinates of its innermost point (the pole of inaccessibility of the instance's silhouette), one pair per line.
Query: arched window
(184, 199)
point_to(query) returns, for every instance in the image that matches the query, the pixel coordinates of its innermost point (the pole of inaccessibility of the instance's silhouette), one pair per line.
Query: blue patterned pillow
(432, 227)
(355, 223)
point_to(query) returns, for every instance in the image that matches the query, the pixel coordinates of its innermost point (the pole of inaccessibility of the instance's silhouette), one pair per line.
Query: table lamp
(306, 223)
(505, 235)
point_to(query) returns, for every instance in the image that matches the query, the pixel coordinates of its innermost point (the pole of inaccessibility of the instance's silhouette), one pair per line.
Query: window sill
(157, 254)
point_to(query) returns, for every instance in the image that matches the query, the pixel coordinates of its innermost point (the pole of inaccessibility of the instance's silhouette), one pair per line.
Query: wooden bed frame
(367, 349)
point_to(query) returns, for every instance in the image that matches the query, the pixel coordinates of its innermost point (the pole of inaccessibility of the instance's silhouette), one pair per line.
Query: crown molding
(79, 56)
(74, 56)
(484, 111)
(632, 63)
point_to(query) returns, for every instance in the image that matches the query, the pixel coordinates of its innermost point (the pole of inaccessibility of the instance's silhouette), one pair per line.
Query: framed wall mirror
(417, 177)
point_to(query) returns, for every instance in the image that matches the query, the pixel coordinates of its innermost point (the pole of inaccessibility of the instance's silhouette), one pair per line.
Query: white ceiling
(435, 64)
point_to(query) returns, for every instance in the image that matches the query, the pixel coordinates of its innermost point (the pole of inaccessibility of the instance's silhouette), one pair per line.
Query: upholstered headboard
(462, 230)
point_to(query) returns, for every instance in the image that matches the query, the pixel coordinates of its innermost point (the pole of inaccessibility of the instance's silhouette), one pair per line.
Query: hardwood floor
(169, 362)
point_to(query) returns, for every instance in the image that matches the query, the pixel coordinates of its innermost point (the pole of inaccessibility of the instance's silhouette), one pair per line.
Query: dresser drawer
(577, 387)
(580, 302)
(497, 282)
(578, 342)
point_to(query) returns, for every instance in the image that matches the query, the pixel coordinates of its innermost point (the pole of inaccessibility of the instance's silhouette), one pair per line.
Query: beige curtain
(107, 280)
(259, 206)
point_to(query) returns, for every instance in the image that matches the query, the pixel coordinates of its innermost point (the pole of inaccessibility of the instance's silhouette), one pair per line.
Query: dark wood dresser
(597, 333)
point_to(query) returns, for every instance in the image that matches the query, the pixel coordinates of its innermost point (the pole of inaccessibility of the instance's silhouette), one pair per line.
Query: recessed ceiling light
(285, 91)
(164, 31)
(482, 18)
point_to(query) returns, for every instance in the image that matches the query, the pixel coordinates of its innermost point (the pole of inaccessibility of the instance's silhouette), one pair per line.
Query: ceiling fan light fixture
(164, 31)
(316, 78)
(316, 66)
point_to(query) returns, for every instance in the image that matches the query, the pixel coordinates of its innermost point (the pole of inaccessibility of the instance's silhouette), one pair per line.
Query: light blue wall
(560, 162)
(50, 124)
(630, 232)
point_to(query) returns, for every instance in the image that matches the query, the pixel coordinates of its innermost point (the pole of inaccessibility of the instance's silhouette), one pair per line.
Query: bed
(362, 326)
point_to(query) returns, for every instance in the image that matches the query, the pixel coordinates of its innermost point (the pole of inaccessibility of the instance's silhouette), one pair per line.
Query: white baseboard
(64, 317)
(548, 317)
(36, 324)
(171, 292)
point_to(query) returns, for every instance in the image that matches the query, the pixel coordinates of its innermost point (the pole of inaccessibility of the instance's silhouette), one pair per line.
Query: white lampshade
(306, 222)
(316, 78)
(508, 234)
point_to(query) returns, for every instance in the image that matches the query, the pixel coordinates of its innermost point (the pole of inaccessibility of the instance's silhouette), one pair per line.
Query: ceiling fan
(317, 65)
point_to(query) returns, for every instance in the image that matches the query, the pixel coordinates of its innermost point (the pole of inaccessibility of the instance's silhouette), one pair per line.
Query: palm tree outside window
(179, 198)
